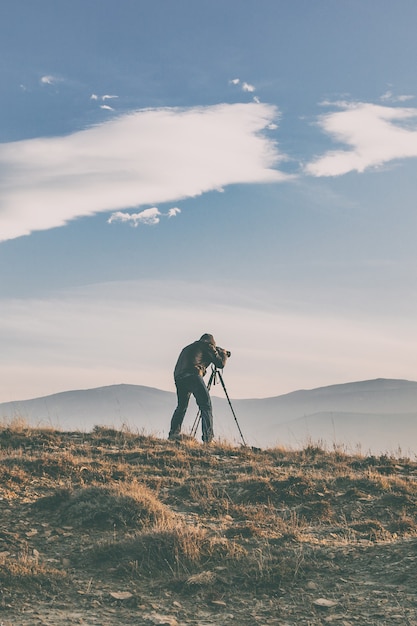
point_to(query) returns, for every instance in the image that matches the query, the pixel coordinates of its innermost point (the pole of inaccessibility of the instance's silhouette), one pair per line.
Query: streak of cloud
(95, 96)
(376, 135)
(147, 157)
(39, 356)
(388, 96)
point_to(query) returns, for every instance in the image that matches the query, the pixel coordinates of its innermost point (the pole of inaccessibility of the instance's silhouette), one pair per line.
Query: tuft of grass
(179, 552)
(16, 433)
(27, 573)
(107, 506)
(193, 557)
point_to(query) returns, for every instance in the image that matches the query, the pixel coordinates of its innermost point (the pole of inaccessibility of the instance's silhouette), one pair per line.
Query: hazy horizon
(376, 416)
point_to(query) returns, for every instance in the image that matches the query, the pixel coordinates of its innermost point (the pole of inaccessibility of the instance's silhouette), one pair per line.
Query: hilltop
(373, 416)
(111, 527)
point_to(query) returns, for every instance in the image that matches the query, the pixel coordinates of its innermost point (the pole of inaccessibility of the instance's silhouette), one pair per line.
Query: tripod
(216, 374)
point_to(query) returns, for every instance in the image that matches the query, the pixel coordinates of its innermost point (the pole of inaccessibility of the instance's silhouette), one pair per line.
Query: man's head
(208, 339)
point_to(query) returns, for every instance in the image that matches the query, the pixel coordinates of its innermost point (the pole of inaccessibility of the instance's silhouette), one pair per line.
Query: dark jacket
(195, 358)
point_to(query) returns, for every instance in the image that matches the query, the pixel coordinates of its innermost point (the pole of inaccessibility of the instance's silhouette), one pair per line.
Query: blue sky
(242, 168)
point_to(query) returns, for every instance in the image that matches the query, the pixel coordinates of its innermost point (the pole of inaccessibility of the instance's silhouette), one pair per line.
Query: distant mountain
(374, 416)
(134, 406)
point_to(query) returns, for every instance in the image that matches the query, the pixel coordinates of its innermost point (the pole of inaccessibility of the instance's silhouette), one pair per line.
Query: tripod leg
(231, 408)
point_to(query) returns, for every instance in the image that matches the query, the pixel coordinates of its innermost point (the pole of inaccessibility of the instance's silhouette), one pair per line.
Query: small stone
(311, 585)
(161, 620)
(121, 595)
(324, 603)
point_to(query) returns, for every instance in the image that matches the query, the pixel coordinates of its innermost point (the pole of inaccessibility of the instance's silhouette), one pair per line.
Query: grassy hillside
(112, 527)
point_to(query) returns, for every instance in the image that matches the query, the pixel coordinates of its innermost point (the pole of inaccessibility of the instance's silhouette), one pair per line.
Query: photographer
(188, 375)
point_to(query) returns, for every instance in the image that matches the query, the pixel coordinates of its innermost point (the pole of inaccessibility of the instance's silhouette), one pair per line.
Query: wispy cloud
(248, 87)
(149, 217)
(376, 135)
(49, 80)
(244, 86)
(388, 96)
(147, 157)
(95, 96)
(38, 356)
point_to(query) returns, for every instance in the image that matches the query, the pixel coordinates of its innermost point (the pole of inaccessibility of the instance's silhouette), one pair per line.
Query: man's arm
(219, 356)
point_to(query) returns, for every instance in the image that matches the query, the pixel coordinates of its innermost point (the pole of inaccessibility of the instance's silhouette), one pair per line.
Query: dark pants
(185, 387)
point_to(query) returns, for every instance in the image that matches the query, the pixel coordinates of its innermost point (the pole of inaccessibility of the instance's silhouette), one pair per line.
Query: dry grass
(27, 571)
(169, 552)
(186, 515)
(107, 506)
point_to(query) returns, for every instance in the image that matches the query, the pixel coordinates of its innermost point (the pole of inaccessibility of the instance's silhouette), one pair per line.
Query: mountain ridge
(341, 414)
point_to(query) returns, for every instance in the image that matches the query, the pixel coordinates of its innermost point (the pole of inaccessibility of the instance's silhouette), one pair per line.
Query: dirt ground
(337, 579)
(368, 585)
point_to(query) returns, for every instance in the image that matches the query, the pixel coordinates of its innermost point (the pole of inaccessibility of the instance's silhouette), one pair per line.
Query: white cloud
(376, 135)
(145, 157)
(243, 86)
(106, 107)
(95, 96)
(248, 87)
(49, 80)
(147, 216)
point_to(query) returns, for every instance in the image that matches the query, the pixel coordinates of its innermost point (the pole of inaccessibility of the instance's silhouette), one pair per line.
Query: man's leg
(183, 397)
(203, 399)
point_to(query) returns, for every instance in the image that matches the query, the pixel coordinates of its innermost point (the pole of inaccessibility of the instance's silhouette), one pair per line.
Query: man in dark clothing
(188, 375)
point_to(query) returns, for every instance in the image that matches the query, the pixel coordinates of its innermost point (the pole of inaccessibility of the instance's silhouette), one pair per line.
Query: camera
(226, 352)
